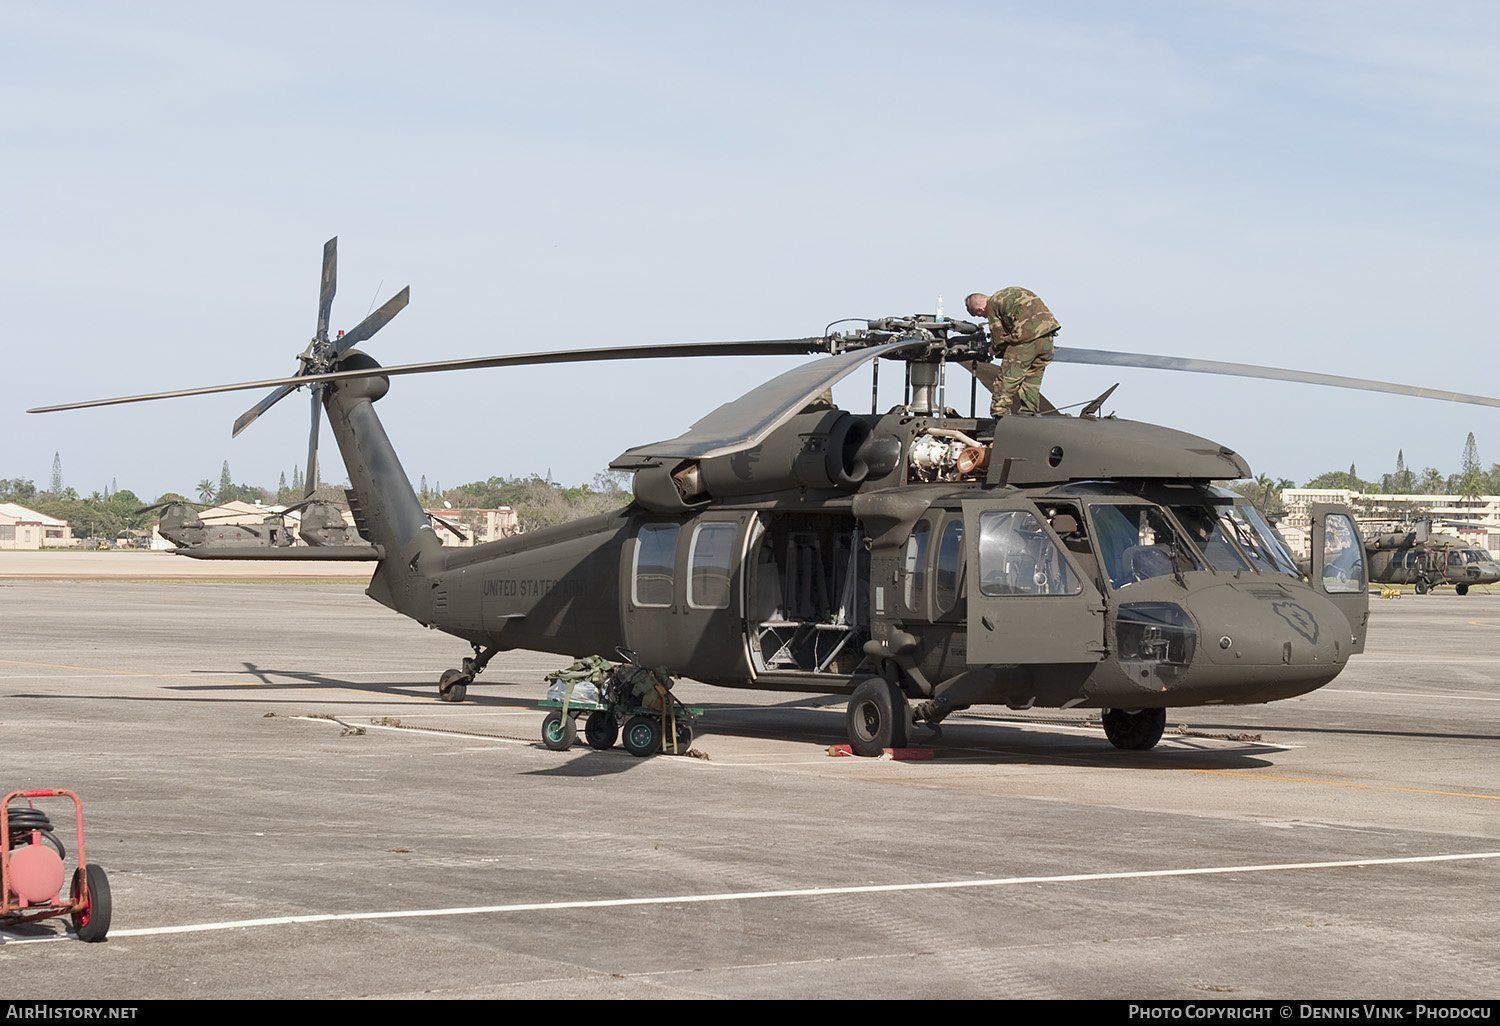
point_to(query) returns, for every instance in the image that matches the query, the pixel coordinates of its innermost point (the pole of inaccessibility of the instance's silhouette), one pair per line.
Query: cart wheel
(600, 730)
(642, 736)
(93, 922)
(558, 731)
(684, 739)
(452, 686)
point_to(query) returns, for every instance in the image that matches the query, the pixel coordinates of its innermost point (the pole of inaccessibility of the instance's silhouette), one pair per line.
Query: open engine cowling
(817, 449)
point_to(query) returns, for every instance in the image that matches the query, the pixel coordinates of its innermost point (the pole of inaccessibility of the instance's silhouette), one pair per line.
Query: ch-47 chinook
(917, 560)
(1427, 560)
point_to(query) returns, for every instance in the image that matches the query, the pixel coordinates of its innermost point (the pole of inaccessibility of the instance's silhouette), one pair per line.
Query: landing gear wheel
(642, 736)
(600, 730)
(1462, 589)
(93, 922)
(1422, 586)
(684, 737)
(558, 731)
(453, 685)
(879, 717)
(1134, 731)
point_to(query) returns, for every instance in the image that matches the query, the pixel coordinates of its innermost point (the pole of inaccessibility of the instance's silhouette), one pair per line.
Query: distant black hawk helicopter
(1427, 560)
(920, 561)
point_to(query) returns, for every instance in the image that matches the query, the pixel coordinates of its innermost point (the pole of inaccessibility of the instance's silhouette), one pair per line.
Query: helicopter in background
(1426, 560)
(917, 560)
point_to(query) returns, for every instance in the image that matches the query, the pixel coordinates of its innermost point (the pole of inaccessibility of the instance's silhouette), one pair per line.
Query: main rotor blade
(373, 323)
(1246, 370)
(770, 347)
(248, 417)
(330, 283)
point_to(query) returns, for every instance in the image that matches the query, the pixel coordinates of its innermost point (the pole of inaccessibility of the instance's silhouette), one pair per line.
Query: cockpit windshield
(1260, 541)
(1137, 541)
(1210, 530)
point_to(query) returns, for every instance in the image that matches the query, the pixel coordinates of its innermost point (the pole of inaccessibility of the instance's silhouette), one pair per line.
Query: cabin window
(1017, 557)
(711, 558)
(916, 566)
(1343, 556)
(950, 566)
(653, 583)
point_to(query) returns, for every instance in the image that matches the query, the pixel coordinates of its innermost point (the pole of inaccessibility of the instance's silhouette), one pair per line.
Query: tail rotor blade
(330, 283)
(312, 444)
(248, 417)
(373, 323)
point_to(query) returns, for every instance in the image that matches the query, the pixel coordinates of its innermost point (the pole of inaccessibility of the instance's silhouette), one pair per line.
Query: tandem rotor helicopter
(917, 560)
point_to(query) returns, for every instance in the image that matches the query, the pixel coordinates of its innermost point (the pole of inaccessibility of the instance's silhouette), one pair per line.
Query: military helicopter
(917, 560)
(1419, 557)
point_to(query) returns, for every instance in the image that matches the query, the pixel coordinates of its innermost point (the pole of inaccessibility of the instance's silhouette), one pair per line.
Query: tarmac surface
(285, 811)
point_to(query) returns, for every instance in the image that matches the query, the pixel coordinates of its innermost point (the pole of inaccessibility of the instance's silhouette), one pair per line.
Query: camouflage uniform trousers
(1021, 369)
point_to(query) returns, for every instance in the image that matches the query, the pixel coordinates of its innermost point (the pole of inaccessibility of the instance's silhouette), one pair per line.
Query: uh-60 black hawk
(918, 560)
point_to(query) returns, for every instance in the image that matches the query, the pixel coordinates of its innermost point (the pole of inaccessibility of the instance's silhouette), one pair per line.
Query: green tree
(57, 478)
(1470, 475)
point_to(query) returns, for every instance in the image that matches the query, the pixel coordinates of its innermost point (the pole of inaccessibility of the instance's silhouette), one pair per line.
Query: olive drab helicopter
(1427, 560)
(917, 560)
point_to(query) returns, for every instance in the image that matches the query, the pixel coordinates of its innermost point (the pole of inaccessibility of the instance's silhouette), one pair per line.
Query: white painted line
(805, 892)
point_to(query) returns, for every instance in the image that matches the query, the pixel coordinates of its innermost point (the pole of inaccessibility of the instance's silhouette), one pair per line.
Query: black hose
(23, 821)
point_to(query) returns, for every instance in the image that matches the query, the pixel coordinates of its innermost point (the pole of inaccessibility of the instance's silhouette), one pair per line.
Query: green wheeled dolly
(642, 731)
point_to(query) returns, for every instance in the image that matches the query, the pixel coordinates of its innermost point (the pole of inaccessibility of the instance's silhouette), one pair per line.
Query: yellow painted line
(1345, 783)
(202, 680)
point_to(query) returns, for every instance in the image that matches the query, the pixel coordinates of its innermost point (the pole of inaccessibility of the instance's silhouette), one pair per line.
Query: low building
(22, 528)
(478, 525)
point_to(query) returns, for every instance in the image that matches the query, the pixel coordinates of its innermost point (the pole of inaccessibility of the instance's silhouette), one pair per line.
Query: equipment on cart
(639, 698)
(33, 865)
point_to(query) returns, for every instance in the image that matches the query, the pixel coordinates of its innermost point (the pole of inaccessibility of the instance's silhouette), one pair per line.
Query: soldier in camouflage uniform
(1021, 332)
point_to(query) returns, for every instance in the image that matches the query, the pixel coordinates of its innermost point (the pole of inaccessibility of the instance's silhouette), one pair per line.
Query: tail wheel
(558, 731)
(1134, 731)
(92, 923)
(879, 717)
(453, 685)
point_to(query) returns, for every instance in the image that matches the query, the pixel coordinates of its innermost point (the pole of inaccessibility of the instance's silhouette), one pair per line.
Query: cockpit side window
(1137, 542)
(1343, 556)
(1018, 557)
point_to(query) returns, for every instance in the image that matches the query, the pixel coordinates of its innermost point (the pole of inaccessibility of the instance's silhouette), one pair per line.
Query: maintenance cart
(626, 703)
(32, 867)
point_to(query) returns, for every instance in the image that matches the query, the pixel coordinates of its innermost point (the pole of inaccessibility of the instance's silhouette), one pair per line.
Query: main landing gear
(453, 685)
(879, 717)
(1135, 730)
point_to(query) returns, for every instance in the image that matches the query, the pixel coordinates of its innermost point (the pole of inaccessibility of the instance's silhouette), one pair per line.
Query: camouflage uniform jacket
(1018, 316)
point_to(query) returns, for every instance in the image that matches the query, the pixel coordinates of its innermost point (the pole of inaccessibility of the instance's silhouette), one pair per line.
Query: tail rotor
(323, 354)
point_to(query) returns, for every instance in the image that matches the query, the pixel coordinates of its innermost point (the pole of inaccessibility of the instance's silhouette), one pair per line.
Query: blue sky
(1297, 184)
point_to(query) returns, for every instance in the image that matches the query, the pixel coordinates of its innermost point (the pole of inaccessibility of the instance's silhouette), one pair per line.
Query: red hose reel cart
(33, 866)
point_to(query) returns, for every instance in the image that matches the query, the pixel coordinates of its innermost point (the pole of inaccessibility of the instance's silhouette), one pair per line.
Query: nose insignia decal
(1301, 620)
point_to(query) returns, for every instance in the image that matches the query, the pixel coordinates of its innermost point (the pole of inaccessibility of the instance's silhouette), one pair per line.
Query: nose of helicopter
(1259, 642)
